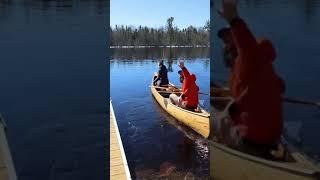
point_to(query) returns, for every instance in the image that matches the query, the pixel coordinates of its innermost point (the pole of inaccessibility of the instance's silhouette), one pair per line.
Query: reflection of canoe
(198, 121)
(227, 163)
(7, 171)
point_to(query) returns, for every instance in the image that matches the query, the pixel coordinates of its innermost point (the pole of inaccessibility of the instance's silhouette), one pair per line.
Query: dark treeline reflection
(158, 53)
(54, 7)
(169, 62)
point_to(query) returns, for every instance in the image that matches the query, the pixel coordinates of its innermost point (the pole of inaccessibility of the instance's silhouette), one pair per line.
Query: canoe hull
(225, 165)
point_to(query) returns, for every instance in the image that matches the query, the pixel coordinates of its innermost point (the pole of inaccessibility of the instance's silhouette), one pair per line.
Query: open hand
(181, 64)
(229, 10)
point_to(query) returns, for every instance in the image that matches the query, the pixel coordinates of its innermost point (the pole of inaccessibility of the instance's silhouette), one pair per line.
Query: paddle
(178, 88)
(297, 101)
(159, 87)
(169, 92)
(287, 99)
(198, 92)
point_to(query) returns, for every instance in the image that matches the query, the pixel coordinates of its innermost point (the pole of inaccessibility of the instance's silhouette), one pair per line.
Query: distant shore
(126, 47)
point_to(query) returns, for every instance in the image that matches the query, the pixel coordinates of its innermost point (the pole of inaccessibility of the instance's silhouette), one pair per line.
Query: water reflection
(54, 7)
(159, 53)
(169, 55)
(310, 8)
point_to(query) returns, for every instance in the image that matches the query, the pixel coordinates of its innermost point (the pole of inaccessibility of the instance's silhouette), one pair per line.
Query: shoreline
(133, 47)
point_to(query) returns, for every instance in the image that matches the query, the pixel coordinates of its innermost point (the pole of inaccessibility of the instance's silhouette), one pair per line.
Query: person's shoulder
(164, 67)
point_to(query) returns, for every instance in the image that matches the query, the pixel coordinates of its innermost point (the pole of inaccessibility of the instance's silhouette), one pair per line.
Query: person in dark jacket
(162, 78)
(256, 114)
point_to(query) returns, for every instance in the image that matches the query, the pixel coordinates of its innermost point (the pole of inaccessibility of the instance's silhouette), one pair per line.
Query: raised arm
(185, 71)
(245, 42)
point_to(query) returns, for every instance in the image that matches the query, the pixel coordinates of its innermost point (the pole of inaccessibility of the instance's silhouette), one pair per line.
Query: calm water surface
(150, 136)
(293, 27)
(53, 83)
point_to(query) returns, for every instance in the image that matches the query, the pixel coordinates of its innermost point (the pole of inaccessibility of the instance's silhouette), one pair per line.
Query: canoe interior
(166, 94)
(198, 120)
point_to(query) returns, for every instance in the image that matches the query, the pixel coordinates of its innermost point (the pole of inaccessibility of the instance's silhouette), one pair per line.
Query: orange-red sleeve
(247, 48)
(185, 72)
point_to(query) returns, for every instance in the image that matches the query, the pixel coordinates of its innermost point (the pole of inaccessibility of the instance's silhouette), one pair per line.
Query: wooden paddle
(297, 101)
(287, 99)
(167, 88)
(180, 90)
(169, 92)
(177, 88)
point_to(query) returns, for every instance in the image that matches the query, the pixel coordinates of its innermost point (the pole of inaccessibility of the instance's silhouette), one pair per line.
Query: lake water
(293, 27)
(53, 74)
(150, 136)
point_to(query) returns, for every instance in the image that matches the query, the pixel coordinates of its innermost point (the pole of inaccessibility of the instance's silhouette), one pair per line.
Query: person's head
(225, 35)
(181, 78)
(266, 50)
(229, 49)
(160, 63)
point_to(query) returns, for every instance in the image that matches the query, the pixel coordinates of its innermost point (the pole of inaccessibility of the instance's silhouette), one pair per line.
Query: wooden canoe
(198, 121)
(227, 163)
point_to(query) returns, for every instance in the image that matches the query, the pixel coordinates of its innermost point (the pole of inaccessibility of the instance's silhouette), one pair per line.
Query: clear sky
(154, 13)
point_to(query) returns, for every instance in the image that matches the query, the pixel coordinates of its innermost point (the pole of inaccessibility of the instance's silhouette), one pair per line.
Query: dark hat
(222, 32)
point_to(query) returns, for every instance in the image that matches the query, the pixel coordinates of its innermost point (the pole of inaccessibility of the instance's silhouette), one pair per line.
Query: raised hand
(181, 64)
(229, 10)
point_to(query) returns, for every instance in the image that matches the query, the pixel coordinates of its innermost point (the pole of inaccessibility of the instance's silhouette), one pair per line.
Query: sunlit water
(293, 27)
(151, 137)
(53, 86)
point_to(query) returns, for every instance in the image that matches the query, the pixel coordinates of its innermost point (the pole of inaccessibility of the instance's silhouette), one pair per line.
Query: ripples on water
(293, 27)
(155, 143)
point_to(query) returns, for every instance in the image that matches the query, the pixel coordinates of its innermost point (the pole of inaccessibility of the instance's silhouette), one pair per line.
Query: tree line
(169, 35)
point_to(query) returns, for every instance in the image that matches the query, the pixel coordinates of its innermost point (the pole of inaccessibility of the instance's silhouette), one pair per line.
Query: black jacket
(162, 76)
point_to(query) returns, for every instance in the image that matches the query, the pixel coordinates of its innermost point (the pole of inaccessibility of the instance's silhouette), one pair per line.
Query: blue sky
(154, 13)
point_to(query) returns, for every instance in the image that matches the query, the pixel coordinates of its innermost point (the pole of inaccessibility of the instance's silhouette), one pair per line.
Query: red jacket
(256, 87)
(189, 89)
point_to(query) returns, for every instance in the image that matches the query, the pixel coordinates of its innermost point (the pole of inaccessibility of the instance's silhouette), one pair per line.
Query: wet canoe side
(199, 122)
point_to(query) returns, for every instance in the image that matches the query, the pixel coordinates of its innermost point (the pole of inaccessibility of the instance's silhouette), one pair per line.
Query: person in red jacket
(189, 97)
(256, 113)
